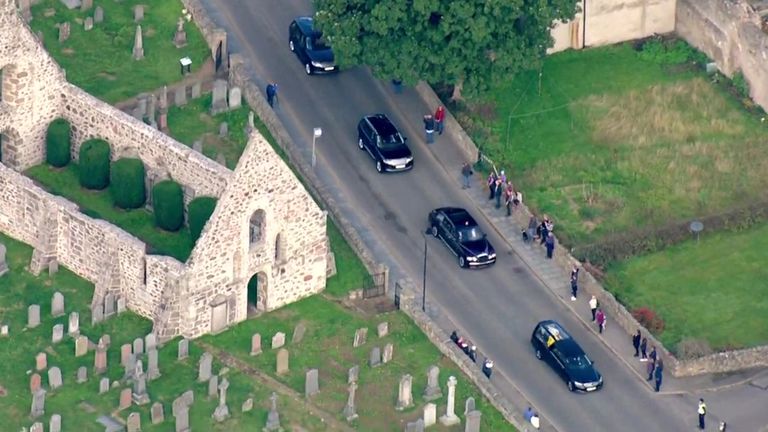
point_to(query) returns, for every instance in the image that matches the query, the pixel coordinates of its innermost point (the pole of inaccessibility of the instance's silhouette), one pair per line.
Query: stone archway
(9, 145)
(256, 228)
(256, 293)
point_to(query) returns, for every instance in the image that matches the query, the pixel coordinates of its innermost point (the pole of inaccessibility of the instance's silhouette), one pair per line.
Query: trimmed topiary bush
(94, 164)
(126, 184)
(168, 203)
(58, 143)
(199, 211)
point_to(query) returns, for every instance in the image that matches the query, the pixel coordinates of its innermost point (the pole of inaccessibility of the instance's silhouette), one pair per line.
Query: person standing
(533, 222)
(509, 197)
(429, 128)
(651, 363)
(659, 374)
(272, 94)
(643, 348)
(600, 317)
(491, 185)
(466, 175)
(574, 282)
(550, 245)
(440, 119)
(593, 306)
(702, 413)
(498, 191)
(636, 343)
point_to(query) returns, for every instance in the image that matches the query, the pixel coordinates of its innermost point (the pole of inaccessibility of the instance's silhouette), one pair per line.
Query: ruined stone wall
(729, 32)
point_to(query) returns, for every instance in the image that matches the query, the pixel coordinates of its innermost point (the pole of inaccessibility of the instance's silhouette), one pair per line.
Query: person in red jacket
(440, 119)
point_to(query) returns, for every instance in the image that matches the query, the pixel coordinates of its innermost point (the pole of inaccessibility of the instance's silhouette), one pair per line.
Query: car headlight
(471, 258)
(493, 255)
(317, 64)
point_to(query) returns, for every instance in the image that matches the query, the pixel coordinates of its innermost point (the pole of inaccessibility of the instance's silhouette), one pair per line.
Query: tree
(466, 43)
(58, 143)
(168, 204)
(126, 183)
(199, 211)
(94, 164)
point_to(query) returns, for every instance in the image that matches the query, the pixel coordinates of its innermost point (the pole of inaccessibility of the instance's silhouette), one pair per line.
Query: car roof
(563, 340)
(458, 216)
(382, 124)
(305, 25)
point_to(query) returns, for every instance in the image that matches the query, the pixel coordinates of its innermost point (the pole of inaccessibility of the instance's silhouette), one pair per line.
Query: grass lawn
(100, 60)
(715, 290)
(609, 142)
(98, 204)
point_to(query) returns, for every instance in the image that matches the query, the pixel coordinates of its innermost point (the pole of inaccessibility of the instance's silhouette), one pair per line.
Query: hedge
(168, 204)
(94, 164)
(126, 184)
(58, 143)
(199, 211)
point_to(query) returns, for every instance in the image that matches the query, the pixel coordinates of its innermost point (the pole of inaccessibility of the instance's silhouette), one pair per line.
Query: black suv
(459, 231)
(555, 346)
(310, 47)
(381, 139)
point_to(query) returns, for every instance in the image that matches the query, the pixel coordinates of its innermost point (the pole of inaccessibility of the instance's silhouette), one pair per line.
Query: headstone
(247, 405)
(4, 330)
(415, 426)
(282, 361)
(85, 5)
(196, 89)
(97, 313)
(213, 386)
(219, 97)
(198, 146)
(130, 367)
(278, 340)
(109, 299)
(223, 129)
(430, 414)
(183, 349)
(204, 368)
(375, 357)
(103, 385)
(235, 98)
(82, 374)
(105, 341)
(298, 333)
(35, 382)
(156, 413)
(404, 393)
(222, 410)
(450, 418)
(53, 267)
(386, 355)
(88, 23)
(382, 329)
(55, 424)
(360, 336)
(138, 13)
(469, 405)
(3, 260)
(138, 346)
(273, 418)
(432, 391)
(36, 427)
(98, 14)
(353, 374)
(81, 346)
(311, 384)
(350, 412)
(472, 421)
(58, 333)
(57, 304)
(138, 45)
(54, 378)
(125, 354)
(120, 305)
(134, 422)
(140, 396)
(125, 398)
(150, 342)
(41, 361)
(38, 403)
(64, 31)
(180, 37)
(256, 344)
(74, 324)
(181, 415)
(33, 316)
(153, 368)
(152, 109)
(180, 95)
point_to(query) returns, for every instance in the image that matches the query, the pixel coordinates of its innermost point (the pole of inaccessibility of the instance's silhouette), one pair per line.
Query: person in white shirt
(593, 306)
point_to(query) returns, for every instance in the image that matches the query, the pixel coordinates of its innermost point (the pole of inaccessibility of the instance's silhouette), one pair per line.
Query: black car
(381, 139)
(556, 346)
(310, 47)
(459, 231)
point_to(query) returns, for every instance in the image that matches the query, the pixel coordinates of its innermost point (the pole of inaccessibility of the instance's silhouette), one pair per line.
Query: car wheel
(379, 167)
(290, 45)
(308, 69)
(538, 354)
(570, 385)
(360, 144)
(433, 231)
(462, 261)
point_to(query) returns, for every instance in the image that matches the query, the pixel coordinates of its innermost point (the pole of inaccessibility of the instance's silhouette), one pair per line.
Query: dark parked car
(459, 231)
(381, 139)
(310, 47)
(556, 346)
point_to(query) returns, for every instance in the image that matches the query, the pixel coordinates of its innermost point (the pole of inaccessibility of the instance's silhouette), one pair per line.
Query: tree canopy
(465, 43)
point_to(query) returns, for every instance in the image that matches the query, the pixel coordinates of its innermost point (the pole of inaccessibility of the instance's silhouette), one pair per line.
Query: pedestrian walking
(600, 317)
(593, 306)
(636, 343)
(272, 94)
(498, 191)
(533, 222)
(466, 175)
(702, 413)
(550, 245)
(509, 198)
(643, 347)
(650, 368)
(659, 374)
(652, 355)
(574, 282)
(491, 185)
(429, 128)
(440, 119)
(488, 367)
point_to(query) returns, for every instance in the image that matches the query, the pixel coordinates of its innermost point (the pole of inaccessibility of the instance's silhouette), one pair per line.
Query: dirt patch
(107, 76)
(149, 32)
(49, 12)
(68, 51)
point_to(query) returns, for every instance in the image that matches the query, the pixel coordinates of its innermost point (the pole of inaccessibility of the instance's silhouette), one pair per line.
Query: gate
(375, 285)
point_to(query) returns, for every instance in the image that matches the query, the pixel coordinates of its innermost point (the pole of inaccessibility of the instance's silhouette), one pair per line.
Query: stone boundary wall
(616, 312)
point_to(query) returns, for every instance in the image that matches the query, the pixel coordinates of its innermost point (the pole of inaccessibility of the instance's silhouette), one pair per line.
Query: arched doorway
(256, 291)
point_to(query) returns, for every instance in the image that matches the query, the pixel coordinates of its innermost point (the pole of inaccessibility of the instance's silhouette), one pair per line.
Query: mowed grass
(100, 60)
(613, 143)
(714, 290)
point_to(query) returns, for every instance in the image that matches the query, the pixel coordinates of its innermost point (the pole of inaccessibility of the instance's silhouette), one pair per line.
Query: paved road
(497, 307)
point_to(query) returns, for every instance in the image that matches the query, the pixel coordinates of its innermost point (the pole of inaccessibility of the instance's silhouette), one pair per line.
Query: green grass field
(100, 60)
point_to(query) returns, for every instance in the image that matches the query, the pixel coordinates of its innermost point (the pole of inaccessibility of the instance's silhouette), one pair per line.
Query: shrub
(58, 143)
(94, 164)
(168, 203)
(740, 84)
(669, 52)
(199, 211)
(126, 183)
(648, 319)
(690, 348)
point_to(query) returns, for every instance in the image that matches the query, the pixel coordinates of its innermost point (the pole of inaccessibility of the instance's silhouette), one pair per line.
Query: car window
(392, 140)
(366, 129)
(317, 42)
(468, 234)
(447, 226)
(543, 336)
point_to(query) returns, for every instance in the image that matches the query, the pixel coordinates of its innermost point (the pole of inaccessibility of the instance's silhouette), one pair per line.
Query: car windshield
(318, 43)
(393, 140)
(469, 234)
(578, 362)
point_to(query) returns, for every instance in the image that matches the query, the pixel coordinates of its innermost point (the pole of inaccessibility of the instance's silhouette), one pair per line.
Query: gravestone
(375, 357)
(404, 393)
(58, 333)
(196, 89)
(125, 398)
(180, 37)
(256, 344)
(353, 374)
(85, 5)
(71, 4)
(138, 346)
(235, 98)
(55, 424)
(223, 129)
(150, 342)
(282, 361)
(450, 418)
(103, 385)
(64, 31)
(189, 396)
(298, 333)
(3, 260)
(38, 403)
(204, 368)
(98, 14)
(415, 426)
(213, 386)
(432, 391)
(134, 422)
(57, 304)
(88, 24)
(360, 335)
(350, 413)
(183, 351)
(386, 355)
(222, 410)
(278, 340)
(81, 346)
(469, 405)
(311, 384)
(125, 354)
(247, 405)
(120, 305)
(251, 122)
(181, 416)
(74, 324)
(157, 413)
(472, 421)
(382, 329)
(105, 341)
(153, 368)
(219, 97)
(41, 361)
(152, 110)
(197, 146)
(36, 427)
(130, 367)
(82, 374)
(35, 382)
(430, 414)
(180, 95)
(53, 267)
(33, 316)
(138, 13)
(4, 330)
(140, 396)
(54, 378)
(138, 45)
(273, 418)
(109, 299)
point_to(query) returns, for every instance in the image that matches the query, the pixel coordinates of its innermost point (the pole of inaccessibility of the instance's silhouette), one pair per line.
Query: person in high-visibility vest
(702, 413)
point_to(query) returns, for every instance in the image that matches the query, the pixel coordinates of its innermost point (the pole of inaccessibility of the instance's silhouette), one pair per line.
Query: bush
(741, 85)
(691, 348)
(199, 211)
(648, 319)
(669, 51)
(94, 164)
(168, 203)
(58, 143)
(126, 183)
